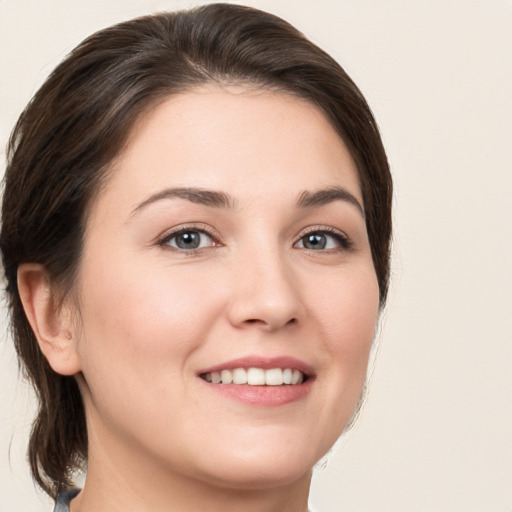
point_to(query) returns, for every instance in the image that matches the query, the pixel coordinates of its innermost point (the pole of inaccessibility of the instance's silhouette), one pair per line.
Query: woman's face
(229, 236)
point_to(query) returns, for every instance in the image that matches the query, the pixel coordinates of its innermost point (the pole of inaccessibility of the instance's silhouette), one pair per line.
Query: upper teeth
(256, 376)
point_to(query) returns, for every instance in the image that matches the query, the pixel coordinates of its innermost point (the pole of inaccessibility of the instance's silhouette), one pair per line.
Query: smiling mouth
(256, 376)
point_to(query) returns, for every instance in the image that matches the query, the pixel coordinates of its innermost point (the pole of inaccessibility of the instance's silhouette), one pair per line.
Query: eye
(188, 239)
(323, 240)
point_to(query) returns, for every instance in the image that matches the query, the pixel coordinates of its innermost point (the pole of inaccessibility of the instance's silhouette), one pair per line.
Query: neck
(118, 495)
(118, 481)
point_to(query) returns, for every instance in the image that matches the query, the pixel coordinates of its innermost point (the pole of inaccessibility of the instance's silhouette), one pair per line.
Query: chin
(267, 463)
(260, 475)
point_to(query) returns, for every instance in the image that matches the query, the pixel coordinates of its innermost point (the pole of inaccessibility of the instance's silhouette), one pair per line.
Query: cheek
(142, 326)
(348, 314)
(345, 314)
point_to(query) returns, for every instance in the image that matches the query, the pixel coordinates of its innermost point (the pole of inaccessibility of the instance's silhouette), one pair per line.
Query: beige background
(436, 433)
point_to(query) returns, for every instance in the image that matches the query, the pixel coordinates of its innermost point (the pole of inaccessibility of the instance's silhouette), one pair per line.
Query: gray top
(63, 499)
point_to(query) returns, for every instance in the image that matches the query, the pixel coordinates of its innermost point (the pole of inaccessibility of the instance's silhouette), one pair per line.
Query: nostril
(255, 321)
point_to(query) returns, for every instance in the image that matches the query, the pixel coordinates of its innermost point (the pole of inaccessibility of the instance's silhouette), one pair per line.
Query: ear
(52, 323)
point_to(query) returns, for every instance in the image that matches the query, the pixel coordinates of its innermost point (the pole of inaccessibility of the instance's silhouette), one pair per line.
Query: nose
(265, 293)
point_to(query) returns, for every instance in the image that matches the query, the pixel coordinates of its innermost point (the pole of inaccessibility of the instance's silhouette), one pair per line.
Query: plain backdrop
(436, 432)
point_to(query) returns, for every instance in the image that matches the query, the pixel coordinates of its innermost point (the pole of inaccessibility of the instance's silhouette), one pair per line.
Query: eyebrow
(216, 199)
(327, 195)
(210, 198)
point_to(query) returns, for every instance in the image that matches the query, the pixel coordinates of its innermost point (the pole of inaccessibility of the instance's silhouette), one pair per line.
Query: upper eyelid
(343, 239)
(168, 234)
(215, 235)
(322, 229)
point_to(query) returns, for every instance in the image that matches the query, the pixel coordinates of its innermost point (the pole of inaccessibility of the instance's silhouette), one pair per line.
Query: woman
(196, 229)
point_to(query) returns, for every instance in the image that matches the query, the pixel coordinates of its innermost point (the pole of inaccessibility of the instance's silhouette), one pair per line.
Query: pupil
(316, 241)
(188, 240)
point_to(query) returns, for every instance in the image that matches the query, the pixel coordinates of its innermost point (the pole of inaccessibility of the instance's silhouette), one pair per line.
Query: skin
(147, 317)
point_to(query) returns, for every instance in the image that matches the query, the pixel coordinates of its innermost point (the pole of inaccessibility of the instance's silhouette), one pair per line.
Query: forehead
(248, 141)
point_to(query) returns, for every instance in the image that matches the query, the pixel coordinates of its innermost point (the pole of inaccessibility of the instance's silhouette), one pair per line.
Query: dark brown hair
(77, 123)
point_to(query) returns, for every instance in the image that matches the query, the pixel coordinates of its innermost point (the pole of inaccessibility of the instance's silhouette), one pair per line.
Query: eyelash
(344, 242)
(341, 239)
(202, 229)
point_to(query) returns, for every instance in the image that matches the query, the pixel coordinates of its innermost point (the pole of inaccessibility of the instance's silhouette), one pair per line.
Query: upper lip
(266, 363)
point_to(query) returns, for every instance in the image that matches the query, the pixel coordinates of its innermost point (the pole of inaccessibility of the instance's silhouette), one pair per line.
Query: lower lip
(267, 396)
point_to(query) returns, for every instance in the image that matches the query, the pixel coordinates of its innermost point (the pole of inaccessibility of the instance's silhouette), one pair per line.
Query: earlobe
(51, 322)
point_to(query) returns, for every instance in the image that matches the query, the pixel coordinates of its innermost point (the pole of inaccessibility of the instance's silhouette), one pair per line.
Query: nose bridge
(265, 291)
